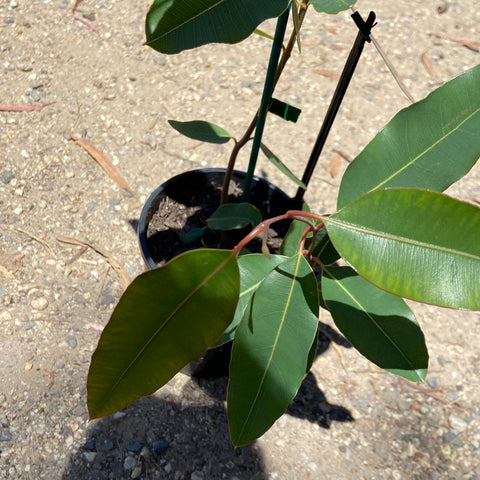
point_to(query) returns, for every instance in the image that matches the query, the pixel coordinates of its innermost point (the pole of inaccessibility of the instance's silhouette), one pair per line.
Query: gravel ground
(350, 420)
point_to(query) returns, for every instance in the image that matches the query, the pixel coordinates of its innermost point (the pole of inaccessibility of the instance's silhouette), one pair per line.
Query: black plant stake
(362, 37)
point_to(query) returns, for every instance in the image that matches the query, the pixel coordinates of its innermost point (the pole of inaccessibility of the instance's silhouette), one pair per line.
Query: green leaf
(379, 325)
(234, 216)
(332, 6)
(430, 144)
(192, 235)
(202, 131)
(281, 166)
(253, 269)
(175, 25)
(261, 33)
(297, 26)
(271, 349)
(414, 243)
(166, 318)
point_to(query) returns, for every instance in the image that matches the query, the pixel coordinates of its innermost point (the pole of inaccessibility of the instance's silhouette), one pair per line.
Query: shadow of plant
(159, 438)
(310, 403)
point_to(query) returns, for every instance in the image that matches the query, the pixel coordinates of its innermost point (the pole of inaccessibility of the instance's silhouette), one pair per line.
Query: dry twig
(119, 270)
(466, 42)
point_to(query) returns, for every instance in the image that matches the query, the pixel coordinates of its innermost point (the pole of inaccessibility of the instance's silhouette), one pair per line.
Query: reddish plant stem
(299, 215)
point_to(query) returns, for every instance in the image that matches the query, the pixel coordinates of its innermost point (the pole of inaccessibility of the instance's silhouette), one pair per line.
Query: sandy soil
(99, 82)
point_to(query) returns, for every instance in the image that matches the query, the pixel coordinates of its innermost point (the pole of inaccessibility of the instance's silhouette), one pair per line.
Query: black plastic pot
(184, 190)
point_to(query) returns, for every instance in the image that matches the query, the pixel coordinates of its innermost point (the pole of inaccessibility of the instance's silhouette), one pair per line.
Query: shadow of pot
(173, 220)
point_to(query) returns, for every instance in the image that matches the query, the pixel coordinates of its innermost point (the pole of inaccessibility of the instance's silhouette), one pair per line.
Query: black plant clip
(365, 27)
(363, 36)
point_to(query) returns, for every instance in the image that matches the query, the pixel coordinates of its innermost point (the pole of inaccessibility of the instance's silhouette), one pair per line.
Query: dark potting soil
(182, 210)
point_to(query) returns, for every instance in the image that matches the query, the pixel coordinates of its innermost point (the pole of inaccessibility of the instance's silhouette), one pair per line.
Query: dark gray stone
(134, 447)
(160, 446)
(7, 176)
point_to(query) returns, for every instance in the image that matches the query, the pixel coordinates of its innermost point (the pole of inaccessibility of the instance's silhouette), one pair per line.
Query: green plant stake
(268, 87)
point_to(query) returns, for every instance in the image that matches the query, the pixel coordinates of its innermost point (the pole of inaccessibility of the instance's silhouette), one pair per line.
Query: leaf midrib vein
(424, 152)
(269, 362)
(347, 292)
(400, 239)
(170, 316)
(190, 19)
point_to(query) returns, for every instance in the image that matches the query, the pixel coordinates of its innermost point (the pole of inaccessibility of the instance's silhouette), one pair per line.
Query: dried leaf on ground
(103, 161)
(19, 107)
(466, 42)
(428, 65)
(335, 164)
(326, 73)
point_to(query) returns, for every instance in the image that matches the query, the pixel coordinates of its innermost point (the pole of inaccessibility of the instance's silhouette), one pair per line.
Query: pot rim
(147, 210)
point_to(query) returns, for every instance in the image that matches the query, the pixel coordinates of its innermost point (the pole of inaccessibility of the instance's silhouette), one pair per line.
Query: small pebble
(197, 476)
(39, 303)
(449, 436)
(90, 456)
(129, 463)
(5, 436)
(35, 95)
(25, 67)
(433, 382)
(60, 364)
(9, 20)
(134, 447)
(160, 446)
(107, 300)
(90, 445)
(28, 326)
(13, 3)
(7, 176)
(137, 471)
(72, 342)
(108, 444)
(457, 423)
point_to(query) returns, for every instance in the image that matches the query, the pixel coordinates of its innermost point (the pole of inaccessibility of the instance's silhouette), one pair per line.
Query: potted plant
(394, 231)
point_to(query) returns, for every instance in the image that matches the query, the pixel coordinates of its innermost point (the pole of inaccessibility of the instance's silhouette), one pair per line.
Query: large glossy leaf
(414, 243)
(165, 319)
(332, 6)
(271, 349)
(430, 144)
(202, 131)
(379, 325)
(176, 25)
(253, 269)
